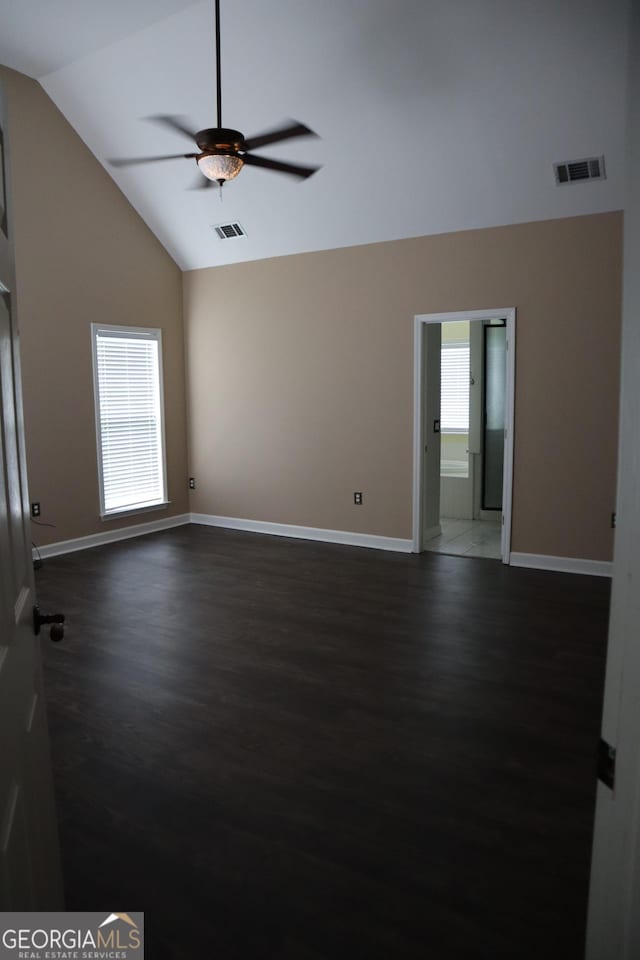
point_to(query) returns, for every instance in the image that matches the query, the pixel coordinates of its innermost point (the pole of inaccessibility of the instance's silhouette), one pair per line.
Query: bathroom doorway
(463, 429)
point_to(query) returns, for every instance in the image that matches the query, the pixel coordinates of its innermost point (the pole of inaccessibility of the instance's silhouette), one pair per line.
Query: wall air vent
(226, 231)
(575, 171)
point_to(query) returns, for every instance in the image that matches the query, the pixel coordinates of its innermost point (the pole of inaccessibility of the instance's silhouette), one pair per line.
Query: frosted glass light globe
(220, 166)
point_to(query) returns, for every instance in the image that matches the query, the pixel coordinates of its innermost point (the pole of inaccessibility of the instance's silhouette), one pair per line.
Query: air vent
(575, 171)
(226, 231)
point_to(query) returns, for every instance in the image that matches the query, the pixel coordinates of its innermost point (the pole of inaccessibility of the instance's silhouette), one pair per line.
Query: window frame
(119, 331)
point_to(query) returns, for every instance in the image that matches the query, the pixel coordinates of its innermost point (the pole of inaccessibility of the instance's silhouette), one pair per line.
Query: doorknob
(55, 619)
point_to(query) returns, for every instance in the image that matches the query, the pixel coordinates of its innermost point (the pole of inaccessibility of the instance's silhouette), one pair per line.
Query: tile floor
(470, 538)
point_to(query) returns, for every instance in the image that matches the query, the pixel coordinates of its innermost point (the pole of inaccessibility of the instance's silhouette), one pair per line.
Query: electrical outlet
(192, 483)
(35, 509)
(357, 498)
(613, 521)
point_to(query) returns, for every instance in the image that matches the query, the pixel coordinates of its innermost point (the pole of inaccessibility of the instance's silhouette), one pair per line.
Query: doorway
(463, 432)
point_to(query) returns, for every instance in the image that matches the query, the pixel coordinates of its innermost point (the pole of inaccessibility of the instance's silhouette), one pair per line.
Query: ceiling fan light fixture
(220, 166)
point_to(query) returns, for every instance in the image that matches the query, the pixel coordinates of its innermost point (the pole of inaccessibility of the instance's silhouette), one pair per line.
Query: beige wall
(83, 255)
(300, 368)
(300, 378)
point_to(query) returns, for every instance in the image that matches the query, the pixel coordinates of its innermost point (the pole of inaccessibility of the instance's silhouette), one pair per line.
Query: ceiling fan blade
(296, 170)
(177, 124)
(276, 136)
(133, 161)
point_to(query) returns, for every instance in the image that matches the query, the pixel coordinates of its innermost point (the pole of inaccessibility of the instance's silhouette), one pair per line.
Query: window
(127, 365)
(454, 386)
(454, 409)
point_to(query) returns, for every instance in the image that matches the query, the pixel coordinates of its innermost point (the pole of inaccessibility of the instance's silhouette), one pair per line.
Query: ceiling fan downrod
(218, 65)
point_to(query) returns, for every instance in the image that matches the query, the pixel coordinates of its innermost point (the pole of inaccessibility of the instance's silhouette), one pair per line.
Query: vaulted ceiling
(432, 115)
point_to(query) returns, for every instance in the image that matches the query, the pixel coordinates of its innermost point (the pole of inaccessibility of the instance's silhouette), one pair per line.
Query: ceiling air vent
(226, 231)
(574, 171)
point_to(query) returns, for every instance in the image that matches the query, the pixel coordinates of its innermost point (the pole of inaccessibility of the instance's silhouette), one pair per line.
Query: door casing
(419, 323)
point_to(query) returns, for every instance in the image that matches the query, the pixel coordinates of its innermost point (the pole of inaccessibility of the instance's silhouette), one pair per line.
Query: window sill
(133, 511)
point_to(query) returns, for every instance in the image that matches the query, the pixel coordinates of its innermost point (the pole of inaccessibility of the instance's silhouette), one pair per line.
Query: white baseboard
(535, 561)
(305, 533)
(538, 561)
(110, 536)
(431, 532)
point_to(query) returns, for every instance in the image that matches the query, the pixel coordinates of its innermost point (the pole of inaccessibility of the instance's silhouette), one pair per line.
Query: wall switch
(357, 498)
(35, 509)
(192, 483)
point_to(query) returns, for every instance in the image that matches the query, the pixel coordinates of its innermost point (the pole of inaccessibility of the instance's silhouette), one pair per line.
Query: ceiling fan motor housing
(220, 140)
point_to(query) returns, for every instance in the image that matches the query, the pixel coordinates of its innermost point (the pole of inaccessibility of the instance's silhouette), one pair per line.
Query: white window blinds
(454, 388)
(129, 417)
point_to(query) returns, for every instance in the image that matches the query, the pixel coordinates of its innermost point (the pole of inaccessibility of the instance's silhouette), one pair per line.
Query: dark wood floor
(281, 749)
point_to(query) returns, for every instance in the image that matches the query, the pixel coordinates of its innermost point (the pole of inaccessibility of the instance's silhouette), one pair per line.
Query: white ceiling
(434, 115)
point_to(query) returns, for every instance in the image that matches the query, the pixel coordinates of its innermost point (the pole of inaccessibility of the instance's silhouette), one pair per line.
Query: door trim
(419, 321)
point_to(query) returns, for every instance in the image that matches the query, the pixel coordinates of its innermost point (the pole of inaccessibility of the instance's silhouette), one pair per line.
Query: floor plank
(285, 749)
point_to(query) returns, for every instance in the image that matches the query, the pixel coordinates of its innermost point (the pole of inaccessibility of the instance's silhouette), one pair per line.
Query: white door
(431, 486)
(614, 902)
(30, 875)
(461, 387)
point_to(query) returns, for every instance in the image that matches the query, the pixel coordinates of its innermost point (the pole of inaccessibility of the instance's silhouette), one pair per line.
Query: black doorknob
(55, 619)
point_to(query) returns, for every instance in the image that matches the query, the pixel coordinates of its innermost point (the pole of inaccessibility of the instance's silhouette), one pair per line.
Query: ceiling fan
(223, 152)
